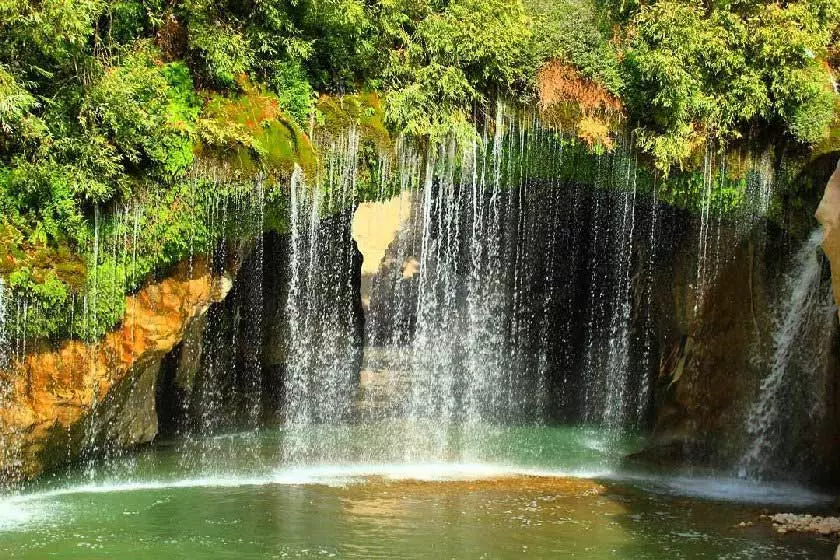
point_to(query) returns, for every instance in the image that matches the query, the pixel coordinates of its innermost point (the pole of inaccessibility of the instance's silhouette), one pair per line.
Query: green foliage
(344, 39)
(451, 59)
(296, 95)
(18, 126)
(146, 110)
(223, 52)
(229, 38)
(99, 109)
(576, 32)
(128, 244)
(38, 34)
(44, 192)
(129, 20)
(46, 297)
(694, 72)
(363, 111)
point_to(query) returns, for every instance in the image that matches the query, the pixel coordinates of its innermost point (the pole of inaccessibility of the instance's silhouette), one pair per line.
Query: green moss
(40, 260)
(266, 138)
(80, 293)
(831, 143)
(362, 110)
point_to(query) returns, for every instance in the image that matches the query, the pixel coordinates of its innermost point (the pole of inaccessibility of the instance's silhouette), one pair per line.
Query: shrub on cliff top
(447, 60)
(695, 71)
(146, 109)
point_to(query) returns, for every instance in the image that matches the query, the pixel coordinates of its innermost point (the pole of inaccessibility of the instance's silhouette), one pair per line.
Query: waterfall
(474, 313)
(762, 182)
(615, 386)
(617, 373)
(643, 396)
(9, 440)
(703, 279)
(219, 364)
(439, 329)
(484, 331)
(203, 410)
(324, 332)
(5, 358)
(515, 291)
(788, 398)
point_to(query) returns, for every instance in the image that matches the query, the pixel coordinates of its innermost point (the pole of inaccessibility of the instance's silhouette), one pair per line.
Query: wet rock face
(77, 396)
(715, 353)
(828, 214)
(706, 369)
(229, 370)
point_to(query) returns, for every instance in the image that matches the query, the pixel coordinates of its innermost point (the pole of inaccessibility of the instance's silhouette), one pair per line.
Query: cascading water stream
(473, 313)
(517, 292)
(499, 240)
(8, 440)
(617, 382)
(220, 362)
(5, 358)
(616, 386)
(788, 398)
(324, 332)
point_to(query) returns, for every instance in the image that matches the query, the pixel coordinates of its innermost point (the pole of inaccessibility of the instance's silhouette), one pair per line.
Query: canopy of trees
(102, 99)
(100, 89)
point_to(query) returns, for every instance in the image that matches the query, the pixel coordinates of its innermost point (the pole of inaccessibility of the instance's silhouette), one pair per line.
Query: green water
(488, 493)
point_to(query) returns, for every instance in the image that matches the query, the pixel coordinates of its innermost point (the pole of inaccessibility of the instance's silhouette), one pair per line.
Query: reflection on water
(521, 505)
(541, 517)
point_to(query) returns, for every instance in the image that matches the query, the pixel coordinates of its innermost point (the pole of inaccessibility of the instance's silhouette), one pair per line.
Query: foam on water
(21, 510)
(728, 490)
(376, 522)
(40, 506)
(28, 508)
(327, 475)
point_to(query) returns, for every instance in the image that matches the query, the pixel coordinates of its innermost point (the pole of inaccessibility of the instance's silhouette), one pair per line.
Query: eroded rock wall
(828, 215)
(77, 396)
(715, 354)
(708, 371)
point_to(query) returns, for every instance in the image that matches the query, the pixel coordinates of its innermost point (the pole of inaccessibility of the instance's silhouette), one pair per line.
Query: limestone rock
(791, 522)
(375, 227)
(828, 214)
(64, 399)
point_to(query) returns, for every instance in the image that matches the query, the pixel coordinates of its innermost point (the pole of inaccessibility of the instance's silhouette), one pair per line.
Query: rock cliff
(828, 215)
(65, 400)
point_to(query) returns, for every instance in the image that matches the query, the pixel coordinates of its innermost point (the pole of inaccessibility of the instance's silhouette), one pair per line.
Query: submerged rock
(65, 400)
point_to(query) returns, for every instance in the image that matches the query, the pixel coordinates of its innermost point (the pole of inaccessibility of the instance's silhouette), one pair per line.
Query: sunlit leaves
(146, 110)
(452, 59)
(692, 71)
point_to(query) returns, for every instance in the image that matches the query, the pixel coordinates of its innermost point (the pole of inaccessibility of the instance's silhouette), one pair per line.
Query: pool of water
(357, 492)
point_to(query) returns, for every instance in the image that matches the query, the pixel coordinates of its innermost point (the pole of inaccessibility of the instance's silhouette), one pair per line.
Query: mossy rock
(831, 143)
(266, 138)
(363, 110)
(41, 260)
